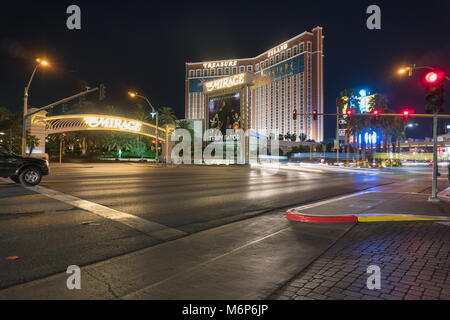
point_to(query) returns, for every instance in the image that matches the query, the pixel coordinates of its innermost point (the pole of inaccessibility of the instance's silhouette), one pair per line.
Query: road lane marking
(153, 229)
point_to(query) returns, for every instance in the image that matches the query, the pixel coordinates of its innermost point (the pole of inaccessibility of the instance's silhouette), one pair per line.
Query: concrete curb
(295, 215)
(444, 195)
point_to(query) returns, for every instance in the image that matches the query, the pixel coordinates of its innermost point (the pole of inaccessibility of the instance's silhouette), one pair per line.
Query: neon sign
(220, 64)
(276, 50)
(113, 123)
(225, 82)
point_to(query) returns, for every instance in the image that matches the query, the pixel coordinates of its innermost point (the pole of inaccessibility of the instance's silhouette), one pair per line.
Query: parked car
(25, 170)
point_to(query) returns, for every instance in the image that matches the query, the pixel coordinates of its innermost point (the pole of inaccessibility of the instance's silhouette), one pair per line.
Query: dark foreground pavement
(232, 241)
(243, 260)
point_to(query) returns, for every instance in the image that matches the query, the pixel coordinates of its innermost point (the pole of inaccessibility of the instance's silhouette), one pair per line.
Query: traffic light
(406, 113)
(153, 141)
(434, 95)
(294, 114)
(314, 113)
(376, 113)
(350, 112)
(102, 92)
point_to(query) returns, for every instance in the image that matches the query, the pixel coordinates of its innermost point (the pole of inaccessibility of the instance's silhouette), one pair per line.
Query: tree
(348, 100)
(302, 137)
(32, 142)
(166, 116)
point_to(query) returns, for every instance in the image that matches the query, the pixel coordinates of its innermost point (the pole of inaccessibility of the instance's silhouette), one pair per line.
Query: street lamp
(39, 62)
(413, 67)
(133, 94)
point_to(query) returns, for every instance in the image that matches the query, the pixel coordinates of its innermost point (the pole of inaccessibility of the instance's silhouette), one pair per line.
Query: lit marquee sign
(113, 123)
(220, 64)
(225, 83)
(276, 50)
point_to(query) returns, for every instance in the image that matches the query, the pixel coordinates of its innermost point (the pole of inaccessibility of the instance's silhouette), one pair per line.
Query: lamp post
(25, 105)
(434, 198)
(413, 67)
(134, 95)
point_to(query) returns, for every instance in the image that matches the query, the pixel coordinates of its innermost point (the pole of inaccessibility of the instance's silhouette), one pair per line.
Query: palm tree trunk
(348, 149)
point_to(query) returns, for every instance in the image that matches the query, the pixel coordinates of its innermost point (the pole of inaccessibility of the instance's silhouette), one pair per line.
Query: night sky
(143, 45)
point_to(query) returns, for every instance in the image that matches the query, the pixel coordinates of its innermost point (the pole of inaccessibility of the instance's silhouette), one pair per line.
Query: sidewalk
(409, 242)
(414, 262)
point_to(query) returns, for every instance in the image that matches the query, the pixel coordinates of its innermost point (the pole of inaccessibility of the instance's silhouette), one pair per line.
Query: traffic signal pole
(434, 197)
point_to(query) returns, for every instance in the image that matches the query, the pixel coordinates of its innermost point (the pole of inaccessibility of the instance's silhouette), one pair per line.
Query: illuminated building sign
(220, 64)
(224, 83)
(113, 123)
(276, 50)
(284, 69)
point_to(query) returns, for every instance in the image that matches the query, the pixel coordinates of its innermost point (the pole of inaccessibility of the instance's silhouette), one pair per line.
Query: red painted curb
(443, 195)
(320, 219)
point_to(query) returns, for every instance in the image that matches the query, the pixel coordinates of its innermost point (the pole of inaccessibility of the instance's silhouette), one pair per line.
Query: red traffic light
(406, 113)
(314, 113)
(350, 112)
(376, 112)
(434, 77)
(153, 141)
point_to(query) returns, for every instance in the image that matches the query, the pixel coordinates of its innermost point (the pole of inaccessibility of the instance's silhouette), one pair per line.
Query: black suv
(25, 170)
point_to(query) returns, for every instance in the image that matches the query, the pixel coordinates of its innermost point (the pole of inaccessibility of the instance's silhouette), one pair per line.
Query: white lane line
(153, 229)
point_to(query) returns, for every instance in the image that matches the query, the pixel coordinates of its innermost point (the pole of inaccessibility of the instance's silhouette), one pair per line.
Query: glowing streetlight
(40, 62)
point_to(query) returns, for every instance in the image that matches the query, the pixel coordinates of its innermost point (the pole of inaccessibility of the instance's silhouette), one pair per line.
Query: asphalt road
(49, 233)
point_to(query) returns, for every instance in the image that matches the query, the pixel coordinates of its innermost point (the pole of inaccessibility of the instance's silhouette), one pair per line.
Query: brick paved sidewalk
(414, 258)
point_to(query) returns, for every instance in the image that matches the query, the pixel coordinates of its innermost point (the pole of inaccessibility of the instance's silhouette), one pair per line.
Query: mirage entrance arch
(41, 126)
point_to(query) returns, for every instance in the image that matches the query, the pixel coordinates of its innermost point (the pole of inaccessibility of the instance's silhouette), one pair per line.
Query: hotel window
(309, 46)
(241, 69)
(289, 53)
(234, 70)
(302, 47)
(227, 70)
(267, 63)
(261, 65)
(271, 60)
(257, 67)
(191, 73)
(277, 58)
(199, 73)
(282, 56)
(213, 72)
(219, 71)
(205, 72)
(249, 68)
(295, 50)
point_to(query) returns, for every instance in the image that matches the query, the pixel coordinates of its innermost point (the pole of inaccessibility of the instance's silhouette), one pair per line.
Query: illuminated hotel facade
(269, 86)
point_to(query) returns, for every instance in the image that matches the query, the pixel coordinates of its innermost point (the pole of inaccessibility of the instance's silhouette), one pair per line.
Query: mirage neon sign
(225, 82)
(113, 123)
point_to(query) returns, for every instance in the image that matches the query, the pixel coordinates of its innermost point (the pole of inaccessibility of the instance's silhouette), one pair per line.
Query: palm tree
(183, 124)
(166, 116)
(380, 102)
(33, 142)
(348, 100)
